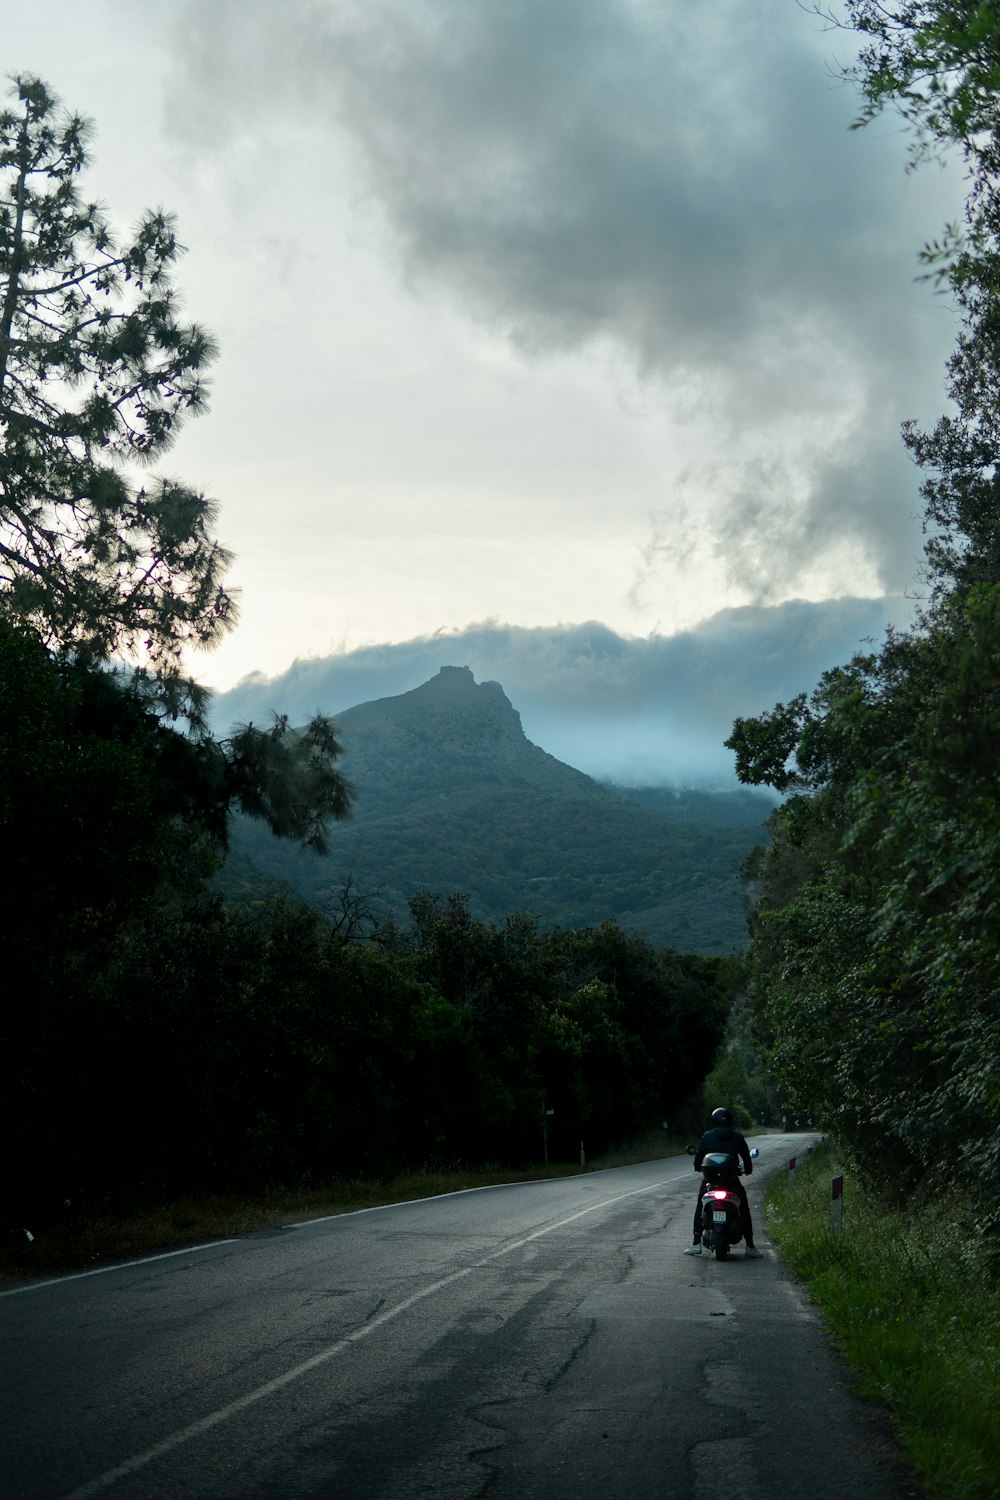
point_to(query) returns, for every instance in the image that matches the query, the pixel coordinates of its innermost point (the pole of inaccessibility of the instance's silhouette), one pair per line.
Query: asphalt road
(541, 1340)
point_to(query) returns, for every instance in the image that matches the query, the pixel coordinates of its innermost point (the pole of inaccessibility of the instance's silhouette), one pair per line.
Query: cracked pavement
(544, 1341)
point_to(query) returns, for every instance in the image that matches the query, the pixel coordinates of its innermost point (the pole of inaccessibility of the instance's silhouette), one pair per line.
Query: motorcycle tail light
(720, 1194)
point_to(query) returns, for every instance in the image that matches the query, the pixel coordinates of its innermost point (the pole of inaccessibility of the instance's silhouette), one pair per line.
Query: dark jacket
(723, 1138)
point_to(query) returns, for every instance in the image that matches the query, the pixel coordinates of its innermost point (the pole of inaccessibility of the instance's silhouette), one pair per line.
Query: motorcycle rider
(723, 1136)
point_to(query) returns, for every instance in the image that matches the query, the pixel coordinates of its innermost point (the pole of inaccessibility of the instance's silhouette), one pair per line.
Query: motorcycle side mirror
(754, 1150)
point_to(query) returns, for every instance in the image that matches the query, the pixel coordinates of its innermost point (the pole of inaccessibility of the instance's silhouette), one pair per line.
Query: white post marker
(837, 1207)
(546, 1112)
(791, 1173)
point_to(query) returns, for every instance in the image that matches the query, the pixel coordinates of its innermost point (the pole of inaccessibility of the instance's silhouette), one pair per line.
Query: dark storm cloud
(678, 178)
(653, 710)
(670, 181)
(675, 177)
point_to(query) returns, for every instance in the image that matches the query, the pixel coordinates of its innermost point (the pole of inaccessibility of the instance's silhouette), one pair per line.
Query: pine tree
(97, 373)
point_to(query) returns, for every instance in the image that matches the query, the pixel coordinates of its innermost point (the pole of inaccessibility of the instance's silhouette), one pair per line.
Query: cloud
(674, 185)
(647, 711)
(680, 180)
(648, 173)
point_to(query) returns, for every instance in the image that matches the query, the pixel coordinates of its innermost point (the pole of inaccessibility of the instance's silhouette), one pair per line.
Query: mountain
(450, 795)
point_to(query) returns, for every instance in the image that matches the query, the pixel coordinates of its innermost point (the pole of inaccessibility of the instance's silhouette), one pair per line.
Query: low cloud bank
(650, 711)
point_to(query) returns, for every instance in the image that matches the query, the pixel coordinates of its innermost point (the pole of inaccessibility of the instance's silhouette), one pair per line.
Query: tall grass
(916, 1306)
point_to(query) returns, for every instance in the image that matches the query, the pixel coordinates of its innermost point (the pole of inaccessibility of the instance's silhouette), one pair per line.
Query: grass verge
(81, 1240)
(916, 1312)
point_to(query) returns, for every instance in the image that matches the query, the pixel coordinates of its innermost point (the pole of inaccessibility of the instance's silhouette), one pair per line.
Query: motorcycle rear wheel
(721, 1248)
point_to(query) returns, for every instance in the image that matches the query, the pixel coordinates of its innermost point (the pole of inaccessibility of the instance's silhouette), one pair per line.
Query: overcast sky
(535, 312)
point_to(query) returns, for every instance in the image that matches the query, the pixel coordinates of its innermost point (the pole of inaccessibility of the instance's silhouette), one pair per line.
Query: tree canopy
(936, 63)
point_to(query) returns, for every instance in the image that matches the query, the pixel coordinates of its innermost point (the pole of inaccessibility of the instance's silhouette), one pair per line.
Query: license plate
(719, 1217)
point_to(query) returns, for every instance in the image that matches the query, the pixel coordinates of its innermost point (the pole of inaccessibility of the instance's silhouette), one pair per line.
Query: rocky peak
(453, 694)
(457, 686)
(447, 732)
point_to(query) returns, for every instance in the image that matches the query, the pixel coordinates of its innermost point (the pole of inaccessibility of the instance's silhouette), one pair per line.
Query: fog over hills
(650, 711)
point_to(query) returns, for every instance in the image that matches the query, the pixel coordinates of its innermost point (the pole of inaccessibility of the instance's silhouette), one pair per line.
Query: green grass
(83, 1240)
(916, 1309)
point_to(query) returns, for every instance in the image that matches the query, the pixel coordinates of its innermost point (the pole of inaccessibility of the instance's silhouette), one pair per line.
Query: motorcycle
(720, 1203)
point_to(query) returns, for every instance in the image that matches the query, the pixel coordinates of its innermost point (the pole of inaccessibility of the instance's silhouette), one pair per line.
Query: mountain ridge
(451, 795)
(476, 723)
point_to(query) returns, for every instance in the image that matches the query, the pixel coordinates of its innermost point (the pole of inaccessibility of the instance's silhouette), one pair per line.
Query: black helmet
(722, 1117)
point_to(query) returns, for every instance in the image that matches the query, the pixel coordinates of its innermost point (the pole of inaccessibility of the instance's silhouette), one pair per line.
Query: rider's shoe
(752, 1253)
(694, 1249)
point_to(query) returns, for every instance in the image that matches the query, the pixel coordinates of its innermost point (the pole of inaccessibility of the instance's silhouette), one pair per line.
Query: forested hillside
(876, 936)
(449, 795)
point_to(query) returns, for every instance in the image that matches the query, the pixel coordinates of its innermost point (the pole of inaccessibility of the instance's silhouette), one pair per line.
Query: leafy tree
(93, 790)
(286, 778)
(937, 63)
(875, 938)
(97, 373)
(124, 969)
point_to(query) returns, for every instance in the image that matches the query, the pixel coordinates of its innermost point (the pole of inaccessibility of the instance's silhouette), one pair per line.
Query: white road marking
(121, 1265)
(487, 1187)
(176, 1439)
(351, 1213)
(379, 1208)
